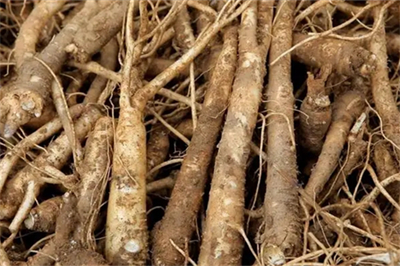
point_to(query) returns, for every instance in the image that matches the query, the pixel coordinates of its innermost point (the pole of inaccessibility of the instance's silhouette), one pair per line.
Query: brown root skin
(29, 33)
(98, 31)
(386, 166)
(157, 148)
(222, 243)
(346, 109)
(281, 204)
(68, 250)
(201, 18)
(178, 222)
(316, 114)
(358, 149)
(158, 65)
(56, 155)
(132, 163)
(186, 128)
(109, 60)
(78, 78)
(42, 218)
(126, 226)
(18, 107)
(43, 133)
(160, 184)
(381, 89)
(209, 57)
(393, 44)
(29, 95)
(94, 175)
(345, 57)
(183, 30)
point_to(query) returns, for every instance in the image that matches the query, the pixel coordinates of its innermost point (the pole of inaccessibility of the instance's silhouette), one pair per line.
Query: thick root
(43, 217)
(356, 152)
(386, 166)
(126, 226)
(43, 133)
(57, 154)
(222, 243)
(68, 250)
(178, 222)
(315, 116)
(94, 176)
(91, 38)
(157, 148)
(346, 109)
(29, 96)
(29, 33)
(381, 89)
(281, 205)
(345, 57)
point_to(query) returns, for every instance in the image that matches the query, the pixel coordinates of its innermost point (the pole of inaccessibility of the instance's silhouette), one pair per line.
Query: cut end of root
(29, 222)
(78, 54)
(273, 255)
(132, 246)
(71, 48)
(367, 68)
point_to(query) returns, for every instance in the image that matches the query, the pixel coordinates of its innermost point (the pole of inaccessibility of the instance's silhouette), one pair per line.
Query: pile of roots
(197, 132)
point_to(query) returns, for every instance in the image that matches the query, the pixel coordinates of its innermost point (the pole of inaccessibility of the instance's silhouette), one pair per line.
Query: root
(356, 151)
(222, 243)
(177, 224)
(108, 59)
(130, 166)
(126, 234)
(29, 33)
(158, 65)
(29, 96)
(183, 31)
(381, 90)
(345, 57)
(56, 156)
(313, 8)
(68, 250)
(62, 110)
(91, 38)
(281, 205)
(386, 166)
(165, 183)
(315, 116)
(345, 110)
(186, 128)
(32, 189)
(157, 148)
(43, 217)
(78, 78)
(43, 133)
(94, 174)
(146, 115)
(4, 261)
(393, 44)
